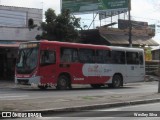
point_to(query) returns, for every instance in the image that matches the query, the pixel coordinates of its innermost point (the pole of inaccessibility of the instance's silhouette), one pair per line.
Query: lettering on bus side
(96, 70)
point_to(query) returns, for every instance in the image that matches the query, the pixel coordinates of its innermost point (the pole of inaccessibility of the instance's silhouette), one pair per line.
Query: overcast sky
(143, 10)
(140, 8)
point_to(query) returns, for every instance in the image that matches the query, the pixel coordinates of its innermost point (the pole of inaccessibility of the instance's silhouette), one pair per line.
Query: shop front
(8, 55)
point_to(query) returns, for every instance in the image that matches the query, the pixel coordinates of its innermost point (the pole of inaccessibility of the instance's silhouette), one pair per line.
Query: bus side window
(66, 55)
(75, 55)
(69, 55)
(103, 56)
(132, 58)
(86, 55)
(141, 58)
(47, 57)
(118, 57)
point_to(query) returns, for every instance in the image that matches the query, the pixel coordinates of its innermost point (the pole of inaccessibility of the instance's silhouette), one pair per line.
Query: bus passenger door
(47, 65)
(69, 63)
(134, 69)
(141, 66)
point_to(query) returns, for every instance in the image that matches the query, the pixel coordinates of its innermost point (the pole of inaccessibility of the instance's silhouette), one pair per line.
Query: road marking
(12, 97)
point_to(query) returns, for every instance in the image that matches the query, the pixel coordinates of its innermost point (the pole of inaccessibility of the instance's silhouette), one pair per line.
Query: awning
(117, 39)
(9, 44)
(120, 37)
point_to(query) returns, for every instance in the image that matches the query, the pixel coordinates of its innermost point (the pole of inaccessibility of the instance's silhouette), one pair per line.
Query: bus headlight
(34, 74)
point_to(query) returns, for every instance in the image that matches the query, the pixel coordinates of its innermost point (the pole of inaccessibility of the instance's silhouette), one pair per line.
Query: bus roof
(125, 48)
(87, 45)
(74, 44)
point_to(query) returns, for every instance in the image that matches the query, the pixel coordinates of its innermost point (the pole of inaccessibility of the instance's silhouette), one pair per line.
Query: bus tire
(43, 87)
(96, 86)
(117, 81)
(62, 83)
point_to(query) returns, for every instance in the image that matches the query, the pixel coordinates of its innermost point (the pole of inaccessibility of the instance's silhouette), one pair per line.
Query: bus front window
(27, 60)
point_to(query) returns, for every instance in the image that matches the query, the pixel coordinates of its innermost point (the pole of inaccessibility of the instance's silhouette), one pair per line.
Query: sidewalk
(149, 78)
(7, 84)
(77, 103)
(74, 103)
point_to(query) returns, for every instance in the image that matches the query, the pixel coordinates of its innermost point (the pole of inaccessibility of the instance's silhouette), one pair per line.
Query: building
(15, 27)
(117, 37)
(141, 34)
(156, 54)
(141, 37)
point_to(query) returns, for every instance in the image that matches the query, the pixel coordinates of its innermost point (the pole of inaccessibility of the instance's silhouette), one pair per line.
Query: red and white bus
(61, 64)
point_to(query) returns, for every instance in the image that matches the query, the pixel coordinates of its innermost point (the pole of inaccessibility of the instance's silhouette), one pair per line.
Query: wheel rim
(63, 82)
(117, 81)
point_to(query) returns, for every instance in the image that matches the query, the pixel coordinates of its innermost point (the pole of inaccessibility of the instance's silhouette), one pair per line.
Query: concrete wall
(22, 34)
(156, 54)
(14, 23)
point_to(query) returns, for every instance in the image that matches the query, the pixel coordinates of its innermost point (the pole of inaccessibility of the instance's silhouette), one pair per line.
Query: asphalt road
(32, 93)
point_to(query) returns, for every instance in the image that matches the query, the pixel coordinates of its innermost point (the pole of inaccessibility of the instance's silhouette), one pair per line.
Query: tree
(60, 28)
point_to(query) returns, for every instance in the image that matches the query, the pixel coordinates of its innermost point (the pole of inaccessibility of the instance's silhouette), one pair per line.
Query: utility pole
(159, 84)
(159, 70)
(93, 21)
(130, 24)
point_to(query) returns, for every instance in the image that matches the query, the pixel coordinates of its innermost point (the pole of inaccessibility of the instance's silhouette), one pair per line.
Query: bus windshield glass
(27, 58)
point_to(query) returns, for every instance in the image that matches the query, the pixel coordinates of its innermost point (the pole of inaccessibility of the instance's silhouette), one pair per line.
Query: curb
(95, 106)
(55, 111)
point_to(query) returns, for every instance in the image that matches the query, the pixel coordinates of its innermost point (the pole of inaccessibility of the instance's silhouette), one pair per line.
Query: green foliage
(60, 28)
(50, 16)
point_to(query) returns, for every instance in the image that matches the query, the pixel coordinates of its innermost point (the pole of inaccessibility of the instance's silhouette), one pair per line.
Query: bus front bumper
(34, 81)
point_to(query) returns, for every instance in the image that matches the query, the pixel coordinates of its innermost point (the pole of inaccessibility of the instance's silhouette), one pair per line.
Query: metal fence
(152, 68)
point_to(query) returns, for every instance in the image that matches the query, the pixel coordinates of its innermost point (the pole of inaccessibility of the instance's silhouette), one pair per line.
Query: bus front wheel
(62, 83)
(117, 81)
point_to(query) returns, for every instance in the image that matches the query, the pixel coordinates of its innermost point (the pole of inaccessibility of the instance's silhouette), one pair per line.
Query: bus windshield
(27, 60)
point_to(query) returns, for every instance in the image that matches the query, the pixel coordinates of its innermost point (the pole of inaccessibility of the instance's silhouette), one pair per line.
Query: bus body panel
(34, 81)
(47, 72)
(135, 73)
(81, 73)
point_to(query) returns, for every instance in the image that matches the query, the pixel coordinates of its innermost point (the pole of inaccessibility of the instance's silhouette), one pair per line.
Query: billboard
(109, 13)
(78, 6)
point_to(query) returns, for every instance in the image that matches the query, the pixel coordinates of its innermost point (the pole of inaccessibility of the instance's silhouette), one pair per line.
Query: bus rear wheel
(117, 81)
(62, 83)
